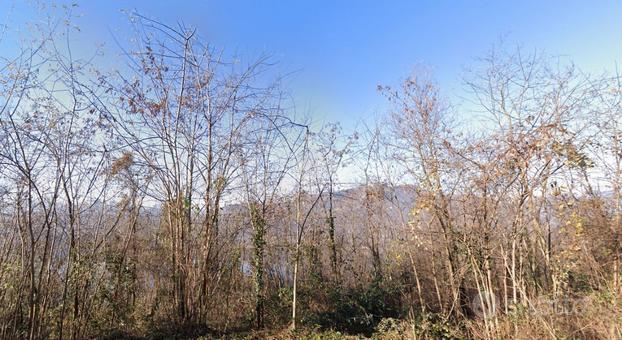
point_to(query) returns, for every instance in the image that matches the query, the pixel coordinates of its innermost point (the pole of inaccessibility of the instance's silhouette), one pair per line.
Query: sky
(336, 53)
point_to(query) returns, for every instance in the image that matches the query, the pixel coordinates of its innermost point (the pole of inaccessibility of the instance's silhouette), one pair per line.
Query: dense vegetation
(179, 195)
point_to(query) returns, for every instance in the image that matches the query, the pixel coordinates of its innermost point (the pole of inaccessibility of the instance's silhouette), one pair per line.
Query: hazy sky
(339, 51)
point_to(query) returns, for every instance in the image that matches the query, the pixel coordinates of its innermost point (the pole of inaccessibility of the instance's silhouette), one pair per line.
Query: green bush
(358, 310)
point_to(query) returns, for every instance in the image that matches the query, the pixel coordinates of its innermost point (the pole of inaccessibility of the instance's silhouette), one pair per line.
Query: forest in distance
(181, 195)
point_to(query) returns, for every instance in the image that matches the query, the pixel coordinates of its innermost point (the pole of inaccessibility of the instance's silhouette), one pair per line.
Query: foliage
(181, 197)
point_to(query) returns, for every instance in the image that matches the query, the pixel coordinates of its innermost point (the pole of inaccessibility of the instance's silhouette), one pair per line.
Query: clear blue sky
(341, 50)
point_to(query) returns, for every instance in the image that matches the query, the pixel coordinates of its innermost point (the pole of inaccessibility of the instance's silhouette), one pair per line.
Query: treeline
(179, 195)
